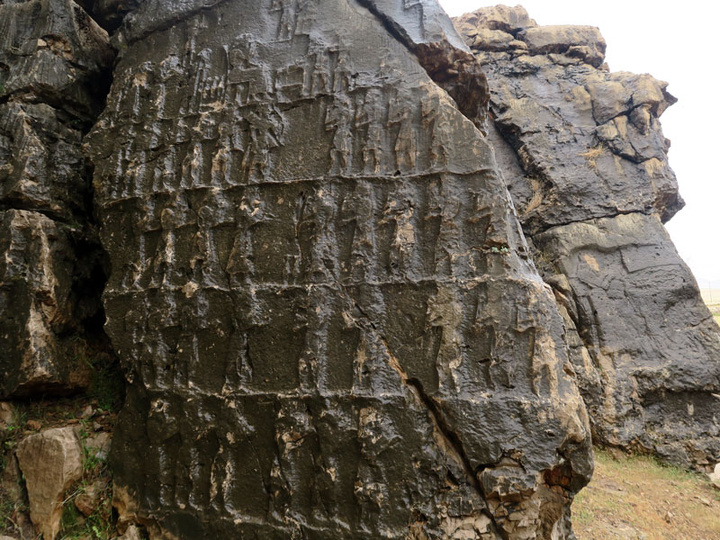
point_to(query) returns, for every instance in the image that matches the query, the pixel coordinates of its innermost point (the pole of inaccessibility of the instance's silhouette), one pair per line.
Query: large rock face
(320, 291)
(325, 305)
(585, 160)
(52, 57)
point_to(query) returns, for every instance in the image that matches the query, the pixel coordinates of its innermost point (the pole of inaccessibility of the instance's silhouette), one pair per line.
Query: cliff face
(315, 277)
(52, 62)
(585, 160)
(320, 291)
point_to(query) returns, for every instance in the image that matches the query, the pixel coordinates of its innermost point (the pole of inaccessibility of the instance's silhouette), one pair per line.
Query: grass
(711, 297)
(99, 525)
(638, 498)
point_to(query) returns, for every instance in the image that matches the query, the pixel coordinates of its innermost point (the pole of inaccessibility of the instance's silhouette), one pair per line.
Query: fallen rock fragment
(715, 476)
(51, 462)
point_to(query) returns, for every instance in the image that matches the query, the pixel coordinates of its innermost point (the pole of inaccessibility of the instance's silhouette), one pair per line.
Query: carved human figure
(406, 141)
(267, 127)
(370, 118)
(337, 120)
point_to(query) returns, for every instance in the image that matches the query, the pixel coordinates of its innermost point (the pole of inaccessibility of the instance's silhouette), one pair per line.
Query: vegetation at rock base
(638, 498)
(87, 506)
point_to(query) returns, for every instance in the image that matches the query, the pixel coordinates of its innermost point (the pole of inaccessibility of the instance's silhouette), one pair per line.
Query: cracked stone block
(51, 51)
(51, 463)
(652, 342)
(41, 165)
(581, 142)
(320, 292)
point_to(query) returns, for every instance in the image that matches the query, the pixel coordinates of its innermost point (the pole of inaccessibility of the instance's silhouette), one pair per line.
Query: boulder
(51, 463)
(584, 157)
(89, 499)
(715, 476)
(7, 414)
(53, 62)
(53, 52)
(320, 292)
(582, 41)
(41, 354)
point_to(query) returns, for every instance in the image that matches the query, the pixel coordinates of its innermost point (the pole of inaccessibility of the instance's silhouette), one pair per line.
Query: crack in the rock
(452, 440)
(456, 71)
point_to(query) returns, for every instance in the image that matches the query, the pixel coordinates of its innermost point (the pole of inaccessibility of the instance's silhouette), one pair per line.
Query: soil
(637, 498)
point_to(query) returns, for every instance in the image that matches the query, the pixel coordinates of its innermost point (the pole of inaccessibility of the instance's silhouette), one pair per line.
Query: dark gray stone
(53, 59)
(320, 291)
(653, 344)
(585, 160)
(52, 52)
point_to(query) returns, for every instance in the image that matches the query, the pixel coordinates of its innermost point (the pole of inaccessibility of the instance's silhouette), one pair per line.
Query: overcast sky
(673, 42)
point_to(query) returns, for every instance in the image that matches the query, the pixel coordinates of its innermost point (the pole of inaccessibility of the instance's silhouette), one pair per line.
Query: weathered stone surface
(41, 164)
(715, 475)
(7, 414)
(589, 142)
(584, 42)
(585, 161)
(132, 533)
(51, 462)
(98, 445)
(510, 20)
(426, 30)
(653, 384)
(38, 329)
(88, 501)
(320, 291)
(52, 62)
(51, 51)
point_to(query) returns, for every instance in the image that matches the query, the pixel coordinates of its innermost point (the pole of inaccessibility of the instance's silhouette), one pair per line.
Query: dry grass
(711, 296)
(636, 498)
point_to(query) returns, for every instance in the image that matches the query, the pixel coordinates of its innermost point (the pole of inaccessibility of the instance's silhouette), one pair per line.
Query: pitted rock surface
(320, 291)
(585, 160)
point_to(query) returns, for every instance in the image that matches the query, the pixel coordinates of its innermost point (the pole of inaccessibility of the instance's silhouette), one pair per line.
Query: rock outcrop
(329, 317)
(320, 290)
(52, 62)
(585, 160)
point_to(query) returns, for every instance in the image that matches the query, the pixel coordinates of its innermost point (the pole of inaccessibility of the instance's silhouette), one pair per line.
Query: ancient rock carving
(325, 306)
(585, 161)
(320, 291)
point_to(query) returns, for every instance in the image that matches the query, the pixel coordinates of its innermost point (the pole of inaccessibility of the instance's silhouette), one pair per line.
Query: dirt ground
(636, 498)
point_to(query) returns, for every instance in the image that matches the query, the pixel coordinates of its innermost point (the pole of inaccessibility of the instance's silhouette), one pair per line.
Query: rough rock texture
(320, 291)
(52, 57)
(585, 161)
(51, 462)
